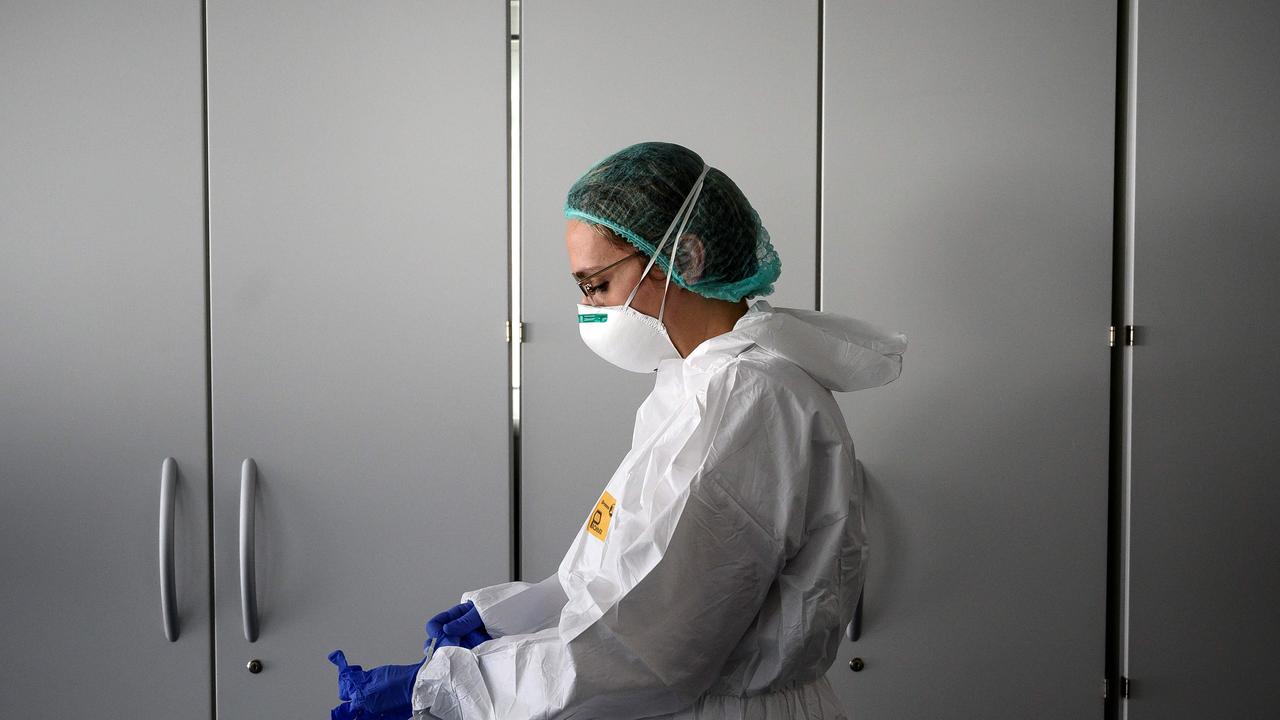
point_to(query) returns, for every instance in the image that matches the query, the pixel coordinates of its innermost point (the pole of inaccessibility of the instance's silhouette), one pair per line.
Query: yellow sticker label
(598, 523)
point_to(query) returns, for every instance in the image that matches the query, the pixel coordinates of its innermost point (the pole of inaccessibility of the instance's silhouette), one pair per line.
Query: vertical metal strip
(208, 357)
(1130, 245)
(516, 336)
(822, 88)
(1117, 622)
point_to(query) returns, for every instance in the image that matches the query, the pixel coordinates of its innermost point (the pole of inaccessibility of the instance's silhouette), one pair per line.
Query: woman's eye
(602, 287)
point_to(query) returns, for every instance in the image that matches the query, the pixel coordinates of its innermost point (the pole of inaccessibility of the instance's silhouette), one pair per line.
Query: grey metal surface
(735, 83)
(1205, 550)
(102, 358)
(358, 246)
(968, 203)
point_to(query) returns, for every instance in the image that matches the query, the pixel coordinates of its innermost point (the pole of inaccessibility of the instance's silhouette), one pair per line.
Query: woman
(717, 571)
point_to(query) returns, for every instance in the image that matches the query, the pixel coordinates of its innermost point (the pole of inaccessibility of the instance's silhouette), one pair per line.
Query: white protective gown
(721, 584)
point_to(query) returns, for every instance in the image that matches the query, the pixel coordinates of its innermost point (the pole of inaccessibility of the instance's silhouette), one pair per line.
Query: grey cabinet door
(736, 84)
(102, 359)
(358, 245)
(968, 203)
(1204, 570)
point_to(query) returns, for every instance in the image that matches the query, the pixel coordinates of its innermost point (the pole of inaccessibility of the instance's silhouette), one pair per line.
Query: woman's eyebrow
(583, 273)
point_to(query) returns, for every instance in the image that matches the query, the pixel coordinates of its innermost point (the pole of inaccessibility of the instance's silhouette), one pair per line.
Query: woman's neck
(709, 319)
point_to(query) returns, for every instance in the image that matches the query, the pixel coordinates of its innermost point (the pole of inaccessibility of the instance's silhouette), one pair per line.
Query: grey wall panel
(735, 82)
(968, 203)
(358, 191)
(1205, 550)
(102, 358)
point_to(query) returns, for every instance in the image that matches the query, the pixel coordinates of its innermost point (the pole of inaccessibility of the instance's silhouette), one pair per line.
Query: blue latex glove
(460, 625)
(381, 693)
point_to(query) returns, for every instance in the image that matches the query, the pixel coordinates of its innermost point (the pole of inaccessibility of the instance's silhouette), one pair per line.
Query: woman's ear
(691, 259)
(696, 258)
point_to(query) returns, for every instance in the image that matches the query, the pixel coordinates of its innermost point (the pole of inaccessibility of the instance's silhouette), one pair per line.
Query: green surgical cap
(724, 252)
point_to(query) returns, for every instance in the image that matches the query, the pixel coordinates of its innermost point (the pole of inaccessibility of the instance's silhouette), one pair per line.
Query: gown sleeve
(518, 607)
(678, 598)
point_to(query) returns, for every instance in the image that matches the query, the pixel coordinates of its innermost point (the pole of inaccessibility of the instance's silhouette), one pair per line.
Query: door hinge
(1130, 335)
(519, 332)
(1124, 687)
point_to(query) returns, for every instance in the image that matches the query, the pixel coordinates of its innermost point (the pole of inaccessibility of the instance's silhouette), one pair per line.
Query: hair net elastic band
(682, 216)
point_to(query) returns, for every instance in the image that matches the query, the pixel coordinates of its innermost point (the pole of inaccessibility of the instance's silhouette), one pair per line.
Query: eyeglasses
(585, 286)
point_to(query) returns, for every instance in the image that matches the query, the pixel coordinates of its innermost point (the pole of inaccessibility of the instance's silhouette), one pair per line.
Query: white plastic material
(722, 582)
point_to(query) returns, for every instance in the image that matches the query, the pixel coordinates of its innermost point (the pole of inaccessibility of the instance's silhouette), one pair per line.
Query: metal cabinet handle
(168, 595)
(248, 577)
(854, 630)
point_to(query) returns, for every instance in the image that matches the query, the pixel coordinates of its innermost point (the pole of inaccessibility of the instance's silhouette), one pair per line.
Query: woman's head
(630, 198)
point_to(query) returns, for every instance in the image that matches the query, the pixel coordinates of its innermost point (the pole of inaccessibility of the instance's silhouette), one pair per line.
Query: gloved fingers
(388, 690)
(454, 612)
(435, 626)
(441, 640)
(474, 638)
(345, 712)
(339, 658)
(468, 621)
(351, 678)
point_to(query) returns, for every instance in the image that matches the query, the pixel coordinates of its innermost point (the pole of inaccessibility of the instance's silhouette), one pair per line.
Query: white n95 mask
(625, 336)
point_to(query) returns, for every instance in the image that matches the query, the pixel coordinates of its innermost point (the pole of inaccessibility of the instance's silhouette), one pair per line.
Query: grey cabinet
(1204, 552)
(102, 359)
(968, 157)
(358, 244)
(355, 304)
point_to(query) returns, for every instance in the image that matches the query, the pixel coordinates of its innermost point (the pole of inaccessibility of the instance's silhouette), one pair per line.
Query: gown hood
(839, 352)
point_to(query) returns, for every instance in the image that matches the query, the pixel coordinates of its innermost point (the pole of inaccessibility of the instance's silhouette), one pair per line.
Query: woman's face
(589, 252)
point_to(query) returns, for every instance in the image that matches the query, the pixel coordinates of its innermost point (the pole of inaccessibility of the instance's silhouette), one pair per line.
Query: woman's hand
(460, 626)
(381, 693)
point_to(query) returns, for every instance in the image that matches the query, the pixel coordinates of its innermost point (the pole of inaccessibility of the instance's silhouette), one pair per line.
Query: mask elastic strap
(689, 200)
(671, 265)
